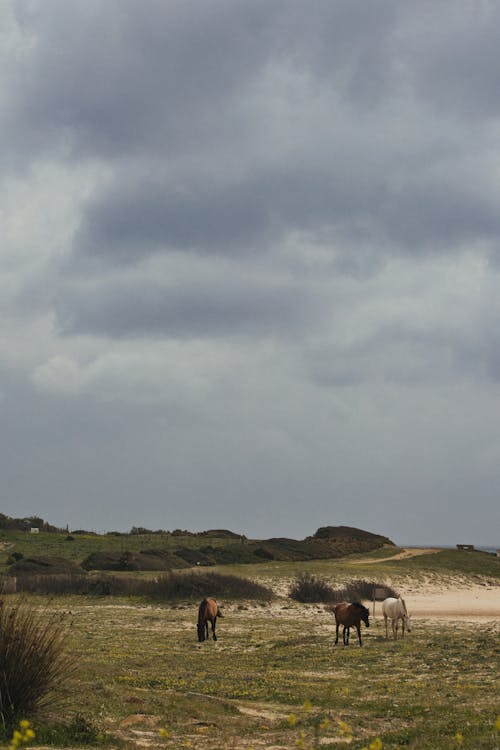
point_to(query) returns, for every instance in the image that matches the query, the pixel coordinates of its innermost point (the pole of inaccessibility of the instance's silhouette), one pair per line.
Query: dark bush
(309, 588)
(53, 584)
(263, 553)
(123, 561)
(178, 586)
(44, 566)
(168, 587)
(33, 661)
(83, 585)
(193, 556)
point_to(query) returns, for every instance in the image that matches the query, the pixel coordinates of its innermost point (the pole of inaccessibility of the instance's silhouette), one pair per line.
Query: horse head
(363, 613)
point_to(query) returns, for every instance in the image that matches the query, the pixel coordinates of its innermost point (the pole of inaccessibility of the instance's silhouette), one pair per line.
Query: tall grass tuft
(33, 661)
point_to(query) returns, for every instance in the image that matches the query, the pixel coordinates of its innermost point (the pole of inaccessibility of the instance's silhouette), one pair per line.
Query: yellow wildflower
(345, 729)
(292, 720)
(459, 738)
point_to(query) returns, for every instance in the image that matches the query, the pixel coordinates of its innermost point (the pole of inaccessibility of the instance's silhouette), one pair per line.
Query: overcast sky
(250, 265)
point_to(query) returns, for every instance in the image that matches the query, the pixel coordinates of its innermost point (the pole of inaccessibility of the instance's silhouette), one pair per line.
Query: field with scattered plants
(130, 673)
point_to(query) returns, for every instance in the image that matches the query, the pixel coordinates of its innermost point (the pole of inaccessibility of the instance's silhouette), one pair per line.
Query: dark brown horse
(208, 612)
(348, 615)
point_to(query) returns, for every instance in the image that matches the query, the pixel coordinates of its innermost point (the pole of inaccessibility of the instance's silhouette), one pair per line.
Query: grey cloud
(129, 223)
(186, 309)
(451, 57)
(114, 78)
(248, 261)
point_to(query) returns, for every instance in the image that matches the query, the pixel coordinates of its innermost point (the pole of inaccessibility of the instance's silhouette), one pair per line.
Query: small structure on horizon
(467, 547)
(34, 530)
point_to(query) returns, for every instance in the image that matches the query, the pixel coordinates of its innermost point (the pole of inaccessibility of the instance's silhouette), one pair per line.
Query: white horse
(395, 609)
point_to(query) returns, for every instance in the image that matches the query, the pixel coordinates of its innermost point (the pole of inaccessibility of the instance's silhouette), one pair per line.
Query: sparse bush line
(166, 587)
(311, 589)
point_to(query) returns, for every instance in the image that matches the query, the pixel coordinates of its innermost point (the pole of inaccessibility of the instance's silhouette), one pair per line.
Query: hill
(142, 549)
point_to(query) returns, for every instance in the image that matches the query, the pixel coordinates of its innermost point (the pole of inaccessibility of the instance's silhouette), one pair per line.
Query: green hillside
(142, 549)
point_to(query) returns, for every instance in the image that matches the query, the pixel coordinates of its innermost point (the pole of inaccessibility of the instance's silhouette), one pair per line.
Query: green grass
(453, 561)
(57, 545)
(140, 668)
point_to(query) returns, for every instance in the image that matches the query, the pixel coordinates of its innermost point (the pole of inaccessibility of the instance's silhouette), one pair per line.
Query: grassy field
(274, 678)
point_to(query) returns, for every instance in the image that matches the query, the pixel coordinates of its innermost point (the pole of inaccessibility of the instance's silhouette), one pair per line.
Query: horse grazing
(348, 615)
(208, 612)
(395, 610)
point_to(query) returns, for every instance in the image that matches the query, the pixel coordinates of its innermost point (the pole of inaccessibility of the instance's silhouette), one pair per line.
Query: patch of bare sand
(431, 599)
(466, 602)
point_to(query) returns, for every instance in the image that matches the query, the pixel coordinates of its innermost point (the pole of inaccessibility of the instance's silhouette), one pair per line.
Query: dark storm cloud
(129, 222)
(124, 76)
(249, 255)
(152, 88)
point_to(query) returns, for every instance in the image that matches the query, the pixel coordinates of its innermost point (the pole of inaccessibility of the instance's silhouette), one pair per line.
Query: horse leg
(386, 630)
(336, 634)
(345, 635)
(395, 630)
(213, 628)
(403, 628)
(358, 628)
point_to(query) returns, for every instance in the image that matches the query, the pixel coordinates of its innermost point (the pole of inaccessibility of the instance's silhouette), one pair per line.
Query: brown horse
(348, 615)
(208, 612)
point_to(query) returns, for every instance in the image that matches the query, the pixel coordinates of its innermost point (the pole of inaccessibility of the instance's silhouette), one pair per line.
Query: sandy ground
(446, 598)
(465, 603)
(447, 601)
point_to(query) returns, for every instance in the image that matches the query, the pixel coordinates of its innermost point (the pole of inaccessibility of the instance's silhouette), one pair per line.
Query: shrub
(308, 588)
(33, 661)
(195, 585)
(43, 566)
(168, 587)
(53, 584)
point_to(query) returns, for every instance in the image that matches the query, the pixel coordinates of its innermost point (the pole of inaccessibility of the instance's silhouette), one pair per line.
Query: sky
(250, 266)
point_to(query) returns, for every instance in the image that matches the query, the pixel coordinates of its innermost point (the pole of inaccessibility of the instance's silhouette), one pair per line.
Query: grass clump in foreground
(34, 663)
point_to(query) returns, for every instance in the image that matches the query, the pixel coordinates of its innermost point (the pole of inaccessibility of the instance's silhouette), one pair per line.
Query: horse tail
(201, 612)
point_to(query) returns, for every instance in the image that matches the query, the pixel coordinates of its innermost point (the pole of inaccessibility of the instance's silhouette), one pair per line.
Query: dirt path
(403, 555)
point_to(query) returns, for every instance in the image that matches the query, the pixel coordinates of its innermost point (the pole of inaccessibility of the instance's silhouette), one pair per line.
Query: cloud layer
(249, 272)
